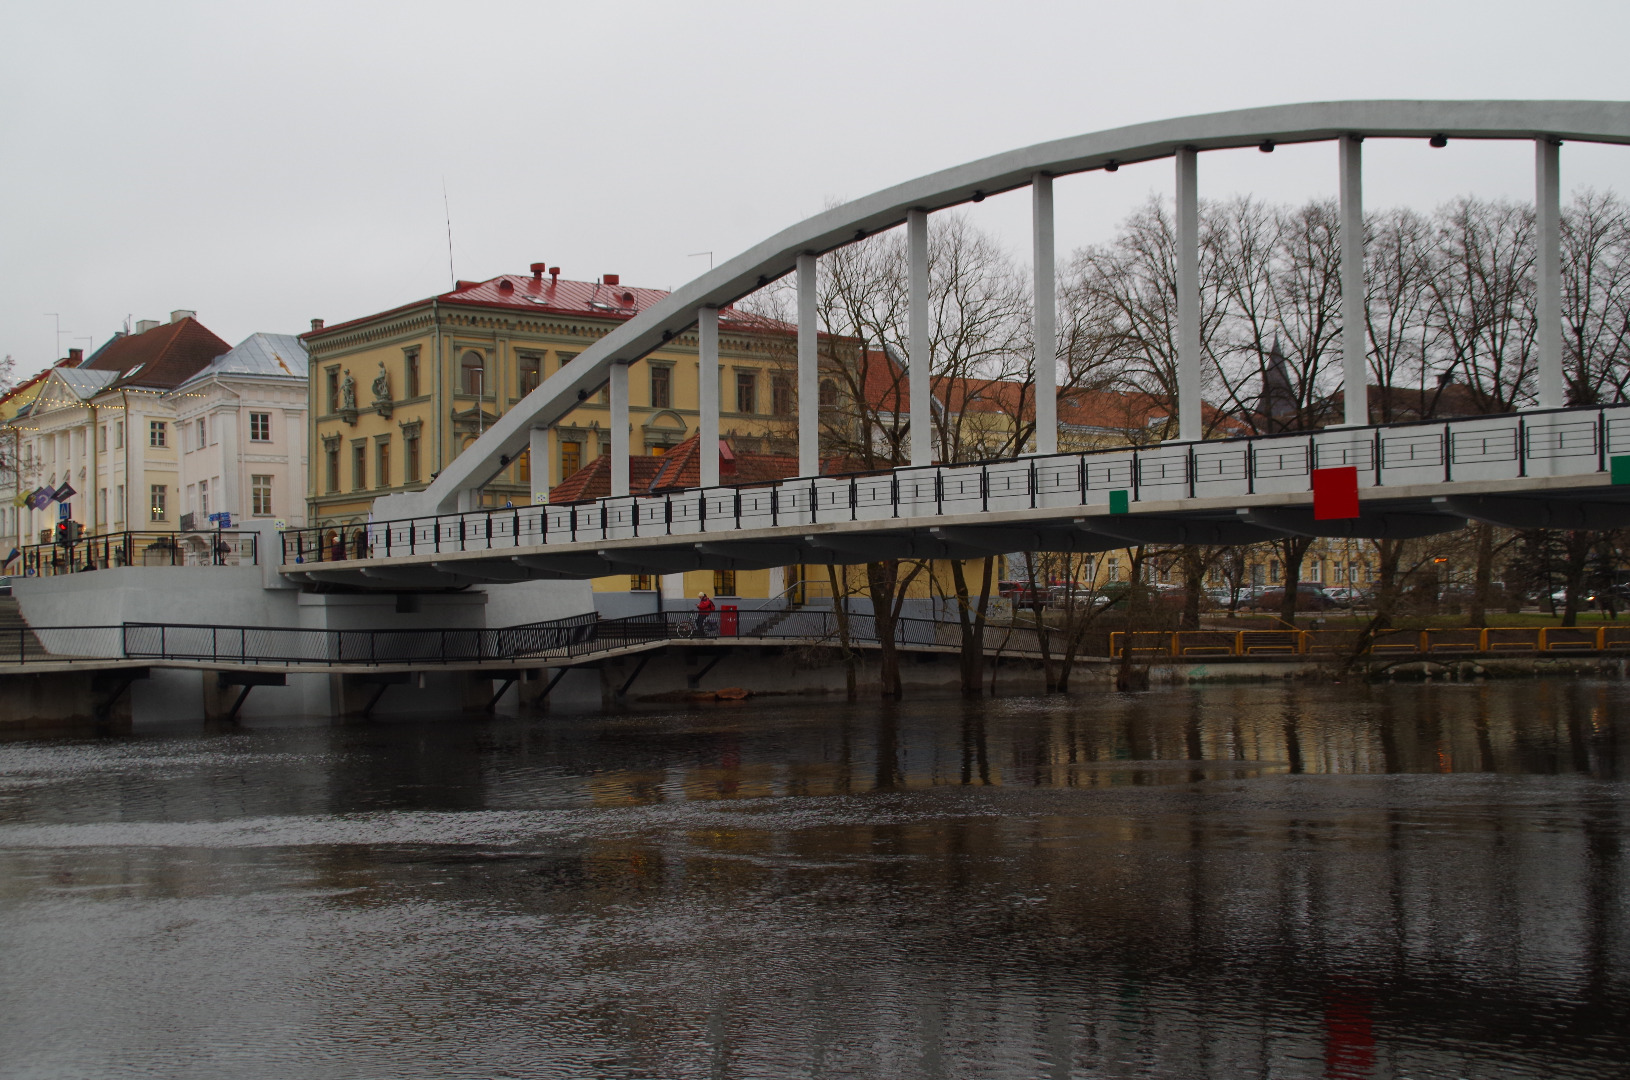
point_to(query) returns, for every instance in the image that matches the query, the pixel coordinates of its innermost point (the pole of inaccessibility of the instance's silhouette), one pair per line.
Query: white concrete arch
(1546, 122)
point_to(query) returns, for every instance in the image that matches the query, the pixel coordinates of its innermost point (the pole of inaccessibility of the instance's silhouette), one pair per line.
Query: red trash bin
(728, 621)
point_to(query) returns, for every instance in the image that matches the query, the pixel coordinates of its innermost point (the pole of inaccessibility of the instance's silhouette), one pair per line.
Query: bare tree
(1596, 298)
(1483, 301)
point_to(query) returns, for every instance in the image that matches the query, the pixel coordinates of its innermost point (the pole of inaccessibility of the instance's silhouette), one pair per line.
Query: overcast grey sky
(266, 164)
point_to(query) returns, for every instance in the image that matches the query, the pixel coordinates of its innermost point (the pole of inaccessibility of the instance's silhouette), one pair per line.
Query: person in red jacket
(704, 613)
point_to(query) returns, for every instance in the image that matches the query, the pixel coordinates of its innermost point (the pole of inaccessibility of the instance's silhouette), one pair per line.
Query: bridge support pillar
(537, 457)
(1354, 342)
(809, 377)
(1190, 420)
(619, 428)
(919, 376)
(1548, 272)
(1046, 316)
(707, 373)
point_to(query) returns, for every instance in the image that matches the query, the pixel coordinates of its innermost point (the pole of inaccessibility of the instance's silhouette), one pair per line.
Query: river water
(1228, 881)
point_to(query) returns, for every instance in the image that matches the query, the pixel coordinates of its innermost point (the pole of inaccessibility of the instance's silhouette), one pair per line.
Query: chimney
(182, 313)
(144, 325)
(75, 357)
(316, 324)
(554, 274)
(538, 270)
(614, 279)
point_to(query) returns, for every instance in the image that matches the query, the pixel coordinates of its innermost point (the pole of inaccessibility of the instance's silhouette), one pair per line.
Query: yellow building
(397, 395)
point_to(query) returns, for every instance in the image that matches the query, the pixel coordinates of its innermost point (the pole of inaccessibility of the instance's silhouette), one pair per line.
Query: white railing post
(537, 458)
(1354, 340)
(919, 374)
(619, 428)
(809, 376)
(1046, 315)
(1548, 272)
(1190, 424)
(707, 394)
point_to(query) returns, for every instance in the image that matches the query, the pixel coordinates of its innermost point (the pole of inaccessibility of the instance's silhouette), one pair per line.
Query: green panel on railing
(1120, 501)
(1620, 469)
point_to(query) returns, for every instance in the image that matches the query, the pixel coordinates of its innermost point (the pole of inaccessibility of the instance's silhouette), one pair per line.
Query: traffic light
(63, 536)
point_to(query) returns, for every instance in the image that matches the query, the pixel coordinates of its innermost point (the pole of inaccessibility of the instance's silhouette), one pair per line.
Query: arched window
(829, 394)
(473, 371)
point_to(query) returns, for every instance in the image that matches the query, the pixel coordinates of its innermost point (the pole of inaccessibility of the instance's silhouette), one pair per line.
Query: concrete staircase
(17, 641)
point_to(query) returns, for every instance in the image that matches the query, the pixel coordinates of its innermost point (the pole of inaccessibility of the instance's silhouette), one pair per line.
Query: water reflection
(1327, 881)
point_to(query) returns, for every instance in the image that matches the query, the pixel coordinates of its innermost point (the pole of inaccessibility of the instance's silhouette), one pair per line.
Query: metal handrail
(1434, 641)
(105, 551)
(1248, 463)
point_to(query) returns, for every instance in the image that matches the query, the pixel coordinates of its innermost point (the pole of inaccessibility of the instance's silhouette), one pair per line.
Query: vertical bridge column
(920, 384)
(1548, 272)
(537, 459)
(809, 379)
(1354, 341)
(619, 427)
(707, 395)
(1046, 316)
(1190, 425)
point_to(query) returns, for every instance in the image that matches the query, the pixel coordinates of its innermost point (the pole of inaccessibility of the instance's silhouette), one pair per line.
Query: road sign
(65, 511)
(222, 520)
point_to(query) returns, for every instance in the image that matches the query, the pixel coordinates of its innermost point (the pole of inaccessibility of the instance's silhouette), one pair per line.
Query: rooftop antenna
(58, 318)
(452, 282)
(699, 254)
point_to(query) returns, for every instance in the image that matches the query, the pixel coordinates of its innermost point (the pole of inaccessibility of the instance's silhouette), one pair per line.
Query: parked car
(5, 586)
(1347, 596)
(1308, 598)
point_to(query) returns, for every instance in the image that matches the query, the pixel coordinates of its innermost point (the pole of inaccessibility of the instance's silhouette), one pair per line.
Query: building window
(260, 427)
(639, 582)
(523, 467)
(102, 438)
(118, 434)
(157, 499)
(781, 395)
(724, 583)
(1315, 573)
(333, 389)
(359, 467)
(1114, 571)
(571, 458)
(410, 371)
(472, 377)
(746, 392)
(203, 498)
(158, 433)
(333, 469)
(202, 429)
(410, 451)
(119, 497)
(829, 394)
(260, 495)
(662, 378)
(1273, 569)
(565, 358)
(531, 373)
(382, 472)
(102, 504)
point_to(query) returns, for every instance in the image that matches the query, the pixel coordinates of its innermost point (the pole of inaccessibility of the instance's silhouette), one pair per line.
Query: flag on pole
(21, 498)
(41, 498)
(64, 493)
(10, 557)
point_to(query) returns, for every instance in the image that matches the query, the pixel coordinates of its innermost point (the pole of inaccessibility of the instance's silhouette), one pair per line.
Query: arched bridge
(1550, 465)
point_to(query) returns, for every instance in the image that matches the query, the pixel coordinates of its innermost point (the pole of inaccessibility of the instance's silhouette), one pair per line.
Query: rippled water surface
(1325, 881)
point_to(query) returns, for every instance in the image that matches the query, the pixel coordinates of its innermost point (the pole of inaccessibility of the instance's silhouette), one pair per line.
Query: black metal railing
(1559, 441)
(556, 640)
(112, 550)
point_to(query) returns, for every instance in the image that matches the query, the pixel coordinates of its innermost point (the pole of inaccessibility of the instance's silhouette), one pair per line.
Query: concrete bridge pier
(57, 699)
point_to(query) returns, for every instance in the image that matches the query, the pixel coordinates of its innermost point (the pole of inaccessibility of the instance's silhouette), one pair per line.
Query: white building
(241, 434)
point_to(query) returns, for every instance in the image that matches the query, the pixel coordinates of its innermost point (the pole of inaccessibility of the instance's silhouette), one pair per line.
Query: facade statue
(382, 384)
(348, 391)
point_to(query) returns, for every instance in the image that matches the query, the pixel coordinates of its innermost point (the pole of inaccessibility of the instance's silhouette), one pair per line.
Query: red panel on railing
(1335, 493)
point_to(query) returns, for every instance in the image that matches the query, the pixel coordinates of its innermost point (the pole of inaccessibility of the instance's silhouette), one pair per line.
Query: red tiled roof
(563, 296)
(163, 357)
(681, 467)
